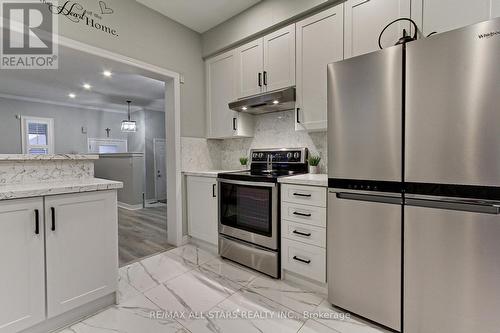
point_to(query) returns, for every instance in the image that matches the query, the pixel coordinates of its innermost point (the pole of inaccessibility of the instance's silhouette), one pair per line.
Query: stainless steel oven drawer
(249, 255)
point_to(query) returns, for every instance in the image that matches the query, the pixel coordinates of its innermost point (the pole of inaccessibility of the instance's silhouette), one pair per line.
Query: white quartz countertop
(59, 157)
(207, 173)
(16, 191)
(306, 179)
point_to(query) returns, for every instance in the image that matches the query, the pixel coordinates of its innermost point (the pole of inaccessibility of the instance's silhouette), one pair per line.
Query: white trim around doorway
(172, 125)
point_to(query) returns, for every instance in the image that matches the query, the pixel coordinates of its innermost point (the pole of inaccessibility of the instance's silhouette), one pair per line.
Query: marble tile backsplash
(273, 130)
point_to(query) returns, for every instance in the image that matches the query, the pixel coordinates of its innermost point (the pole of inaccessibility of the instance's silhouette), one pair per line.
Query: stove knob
(296, 155)
(254, 155)
(289, 155)
(261, 155)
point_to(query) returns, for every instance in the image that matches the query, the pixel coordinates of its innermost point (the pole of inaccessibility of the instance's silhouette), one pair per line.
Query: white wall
(263, 16)
(148, 36)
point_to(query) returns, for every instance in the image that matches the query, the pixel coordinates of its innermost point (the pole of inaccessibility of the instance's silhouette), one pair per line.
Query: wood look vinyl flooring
(141, 233)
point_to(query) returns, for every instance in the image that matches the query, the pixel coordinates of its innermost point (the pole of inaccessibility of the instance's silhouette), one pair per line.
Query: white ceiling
(199, 15)
(77, 68)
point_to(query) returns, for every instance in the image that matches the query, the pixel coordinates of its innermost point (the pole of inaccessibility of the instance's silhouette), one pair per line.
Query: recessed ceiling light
(72, 95)
(276, 102)
(107, 73)
(244, 108)
(87, 86)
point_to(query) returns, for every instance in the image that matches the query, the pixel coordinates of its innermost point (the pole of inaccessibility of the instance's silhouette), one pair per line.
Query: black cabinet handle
(37, 222)
(234, 124)
(298, 114)
(302, 195)
(213, 190)
(302, 260)
(265, 78)
(302, 214)
(53, 212)
(260, 79)
(302, 233)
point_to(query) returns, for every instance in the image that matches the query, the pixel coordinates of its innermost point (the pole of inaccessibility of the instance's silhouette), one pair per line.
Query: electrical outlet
(84, 130)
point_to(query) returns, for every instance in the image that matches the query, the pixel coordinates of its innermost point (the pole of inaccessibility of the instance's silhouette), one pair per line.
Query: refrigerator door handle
(370, 198)
(454, 205)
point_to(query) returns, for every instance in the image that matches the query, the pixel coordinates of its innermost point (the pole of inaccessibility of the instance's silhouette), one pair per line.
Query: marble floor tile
(137, 276)
(287, 294)
(230, 271)
(312, 326)
(166, 266)
(133, 316)
(247, 312)
(125, 290)
(194, 291)
(344, 323)
(193, 255)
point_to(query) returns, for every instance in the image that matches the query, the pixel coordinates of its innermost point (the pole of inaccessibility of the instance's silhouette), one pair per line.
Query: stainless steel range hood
(279, 100)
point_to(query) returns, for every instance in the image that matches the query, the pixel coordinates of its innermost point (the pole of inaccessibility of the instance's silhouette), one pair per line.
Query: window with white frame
(37, 135)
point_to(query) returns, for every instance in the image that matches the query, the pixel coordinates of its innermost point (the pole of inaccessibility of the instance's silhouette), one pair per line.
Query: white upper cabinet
(365, 19)
(22, 280)
(444, 15)
(81, 249)
(267, 64)
(279, 59)
(250, 67)
(319, 42)
(221, 76)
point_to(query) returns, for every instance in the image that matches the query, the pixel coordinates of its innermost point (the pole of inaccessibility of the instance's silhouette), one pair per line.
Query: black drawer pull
(213, 190)
(302, 260)
(53, 212)
(302, 195)
(260, 79)
(37, 222)
(301, 233)
(265, 78)
(302, 214)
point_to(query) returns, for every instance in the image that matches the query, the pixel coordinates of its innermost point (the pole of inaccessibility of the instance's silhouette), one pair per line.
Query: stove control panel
(298, 155)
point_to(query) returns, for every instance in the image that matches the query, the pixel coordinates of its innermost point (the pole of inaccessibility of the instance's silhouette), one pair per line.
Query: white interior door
(82, 249)
(160, 156)
(22, 277)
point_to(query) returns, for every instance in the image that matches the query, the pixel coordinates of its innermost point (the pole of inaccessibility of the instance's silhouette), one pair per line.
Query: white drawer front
(304, 259)
(307, 195)
(304, 214)
(304, 233)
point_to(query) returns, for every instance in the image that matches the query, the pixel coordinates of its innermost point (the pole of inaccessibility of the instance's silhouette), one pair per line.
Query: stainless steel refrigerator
(414, 177)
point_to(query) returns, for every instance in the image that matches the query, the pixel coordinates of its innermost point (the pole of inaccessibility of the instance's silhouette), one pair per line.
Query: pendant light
(129, 126)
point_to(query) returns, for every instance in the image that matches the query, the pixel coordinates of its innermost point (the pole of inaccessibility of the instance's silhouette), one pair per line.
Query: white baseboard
(129, 207)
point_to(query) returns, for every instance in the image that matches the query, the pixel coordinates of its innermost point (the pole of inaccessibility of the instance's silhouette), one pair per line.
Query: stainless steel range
(249, 207)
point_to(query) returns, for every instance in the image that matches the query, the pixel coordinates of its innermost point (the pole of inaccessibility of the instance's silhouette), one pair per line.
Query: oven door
(248, 211)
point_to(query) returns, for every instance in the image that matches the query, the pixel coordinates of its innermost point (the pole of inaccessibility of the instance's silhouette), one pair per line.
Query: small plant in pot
(244, 162)
(313, 161)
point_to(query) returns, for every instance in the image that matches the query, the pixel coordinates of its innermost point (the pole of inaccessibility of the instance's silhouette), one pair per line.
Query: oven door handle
(241, 182)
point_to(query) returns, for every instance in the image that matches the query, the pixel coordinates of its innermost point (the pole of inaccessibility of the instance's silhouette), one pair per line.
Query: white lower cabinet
(82, 262)
(303, 231)
(202, 208)
(22, 277)
(56, 253)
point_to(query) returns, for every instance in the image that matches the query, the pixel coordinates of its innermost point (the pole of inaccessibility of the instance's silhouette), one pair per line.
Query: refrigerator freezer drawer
(452, 270)
(452, 108)
(364, 257)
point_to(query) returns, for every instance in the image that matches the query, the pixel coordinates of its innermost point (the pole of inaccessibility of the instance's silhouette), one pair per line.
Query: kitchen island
(59, 241)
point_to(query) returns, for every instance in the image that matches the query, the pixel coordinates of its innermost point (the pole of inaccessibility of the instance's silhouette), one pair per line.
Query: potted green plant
(244, 162)
(313, 161)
